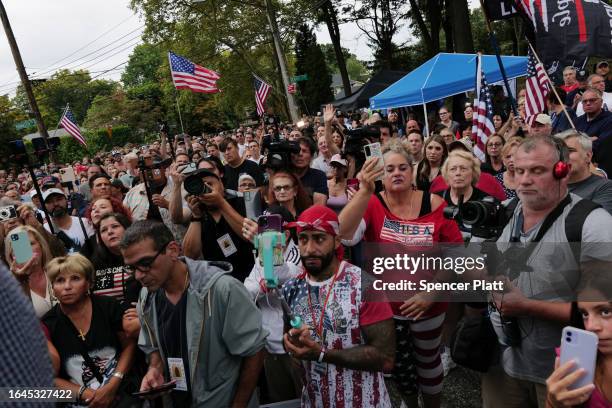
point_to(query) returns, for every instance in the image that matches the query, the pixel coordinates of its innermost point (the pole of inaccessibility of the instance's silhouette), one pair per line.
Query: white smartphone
(375, 150)
(580, 346)
(67, 175)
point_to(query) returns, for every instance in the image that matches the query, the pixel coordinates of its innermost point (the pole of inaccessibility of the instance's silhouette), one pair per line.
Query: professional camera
(8, 213)
(194, 184)
(371, 133)
(487, 217)
(279, 154)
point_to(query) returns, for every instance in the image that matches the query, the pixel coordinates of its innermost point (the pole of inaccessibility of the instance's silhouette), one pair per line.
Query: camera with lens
(372, 133)
(194, 184)
(8, 213)
(487, 217)
(279, 154)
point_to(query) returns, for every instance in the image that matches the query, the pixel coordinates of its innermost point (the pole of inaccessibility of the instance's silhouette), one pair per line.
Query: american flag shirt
(327, 385)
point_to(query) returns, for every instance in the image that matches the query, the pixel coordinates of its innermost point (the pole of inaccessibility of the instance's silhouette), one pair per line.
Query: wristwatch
(118, 374)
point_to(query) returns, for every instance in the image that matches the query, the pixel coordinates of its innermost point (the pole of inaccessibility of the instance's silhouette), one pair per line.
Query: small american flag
(391, 231)
(482, 121)
(187, 75)
(262, 90)
(537, 89)
(68, 122)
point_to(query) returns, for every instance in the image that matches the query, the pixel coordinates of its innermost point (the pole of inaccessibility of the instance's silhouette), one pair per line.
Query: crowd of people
(144, 264)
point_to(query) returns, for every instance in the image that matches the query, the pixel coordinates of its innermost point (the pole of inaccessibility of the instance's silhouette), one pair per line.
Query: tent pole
(426, 131)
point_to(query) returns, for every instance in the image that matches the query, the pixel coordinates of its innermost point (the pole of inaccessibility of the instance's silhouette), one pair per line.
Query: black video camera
(194, 184)
(279, 154)
(487, 217)
(372, 133)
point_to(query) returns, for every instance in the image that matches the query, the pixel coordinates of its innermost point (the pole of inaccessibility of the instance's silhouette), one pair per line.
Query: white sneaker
(447, 362)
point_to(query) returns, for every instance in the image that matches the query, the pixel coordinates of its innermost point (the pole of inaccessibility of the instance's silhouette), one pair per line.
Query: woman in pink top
(597, 318)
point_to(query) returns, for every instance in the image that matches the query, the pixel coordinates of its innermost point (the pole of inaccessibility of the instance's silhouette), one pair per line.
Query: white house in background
(338, 88)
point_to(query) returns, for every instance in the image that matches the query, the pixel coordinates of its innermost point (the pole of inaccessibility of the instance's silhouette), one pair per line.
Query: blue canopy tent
(445, 75)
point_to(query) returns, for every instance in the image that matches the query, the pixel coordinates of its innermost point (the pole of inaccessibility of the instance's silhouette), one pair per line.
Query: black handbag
(474, 343)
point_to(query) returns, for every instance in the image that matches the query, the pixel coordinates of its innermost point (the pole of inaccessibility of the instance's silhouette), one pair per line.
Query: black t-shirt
(488, 168)
(217, 234)
(171, 320)
(315, 181)
(111, 278)
(231, 174)
(101, 341)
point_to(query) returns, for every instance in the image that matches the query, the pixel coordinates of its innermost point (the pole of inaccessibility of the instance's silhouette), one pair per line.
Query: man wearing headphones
(535, 305)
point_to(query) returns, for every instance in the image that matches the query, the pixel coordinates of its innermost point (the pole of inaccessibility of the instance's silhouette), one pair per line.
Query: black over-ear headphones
(562, 167)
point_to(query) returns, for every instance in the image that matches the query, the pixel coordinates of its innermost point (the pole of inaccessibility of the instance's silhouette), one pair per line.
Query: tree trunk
(448, 26)
(462, 30)
(329, 14)
(435, 18)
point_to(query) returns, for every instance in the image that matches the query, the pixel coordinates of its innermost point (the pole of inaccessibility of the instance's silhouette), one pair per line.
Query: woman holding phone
(30, 273)
(88, 332)
(594, 314)
(418, 216)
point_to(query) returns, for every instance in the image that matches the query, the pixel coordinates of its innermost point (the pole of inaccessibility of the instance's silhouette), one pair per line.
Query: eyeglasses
(144, 264)
(278, 189)
(247, 186)
(443, 113)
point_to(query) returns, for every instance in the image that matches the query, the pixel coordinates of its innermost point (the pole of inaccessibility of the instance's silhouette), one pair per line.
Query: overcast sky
(97, 35)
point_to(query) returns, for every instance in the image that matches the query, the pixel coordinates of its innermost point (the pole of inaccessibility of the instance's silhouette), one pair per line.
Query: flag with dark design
(482, 121)
(262, 89)
(537, 88)
(68, 122)
(568, 31)
(499, 9)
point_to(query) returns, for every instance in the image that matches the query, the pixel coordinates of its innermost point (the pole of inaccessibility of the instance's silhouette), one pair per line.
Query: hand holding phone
(375, 150)
(22, 249)
(579, 346)
(155, 391)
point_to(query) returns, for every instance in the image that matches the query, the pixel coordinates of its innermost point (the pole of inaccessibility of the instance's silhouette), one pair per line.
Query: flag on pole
(482, 121)
(187, 75)
(262, 90)
(537, 89)
(69, 123)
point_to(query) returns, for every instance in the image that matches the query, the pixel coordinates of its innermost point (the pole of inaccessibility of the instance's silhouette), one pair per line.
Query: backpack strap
(575, 221)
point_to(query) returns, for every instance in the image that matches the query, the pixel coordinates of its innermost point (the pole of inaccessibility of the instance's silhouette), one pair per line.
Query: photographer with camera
(534, 306)
(215, 230)
(313, 180)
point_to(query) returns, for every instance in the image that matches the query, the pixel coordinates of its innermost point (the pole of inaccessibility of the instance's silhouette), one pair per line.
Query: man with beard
(215, 231)
(345, 342)
(73, 231)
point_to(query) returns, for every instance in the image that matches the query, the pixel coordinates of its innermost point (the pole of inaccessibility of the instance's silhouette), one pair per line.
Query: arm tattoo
(378, 354)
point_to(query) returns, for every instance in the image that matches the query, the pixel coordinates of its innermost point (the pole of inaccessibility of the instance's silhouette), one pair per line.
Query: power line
(89, 43)
(90, 53)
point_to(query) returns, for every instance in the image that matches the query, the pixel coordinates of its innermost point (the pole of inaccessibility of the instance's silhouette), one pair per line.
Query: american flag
(262, 90)
(408, 233)
(537, 89)
(531, 8)
(391, 231)
(68, 122)
(482, 121)
(187, 75)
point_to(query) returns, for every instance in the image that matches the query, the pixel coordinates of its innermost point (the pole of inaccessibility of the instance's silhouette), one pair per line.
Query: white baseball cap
(50, 192)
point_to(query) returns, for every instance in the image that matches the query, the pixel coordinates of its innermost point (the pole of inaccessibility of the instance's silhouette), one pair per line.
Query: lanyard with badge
(320, 368)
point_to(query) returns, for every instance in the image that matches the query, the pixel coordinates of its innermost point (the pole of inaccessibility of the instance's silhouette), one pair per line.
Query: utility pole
(25, 81)
(281, 60)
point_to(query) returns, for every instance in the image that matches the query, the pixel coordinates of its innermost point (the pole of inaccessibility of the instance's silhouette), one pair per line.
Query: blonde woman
(32, 274)
(508, 179)
(88, 332)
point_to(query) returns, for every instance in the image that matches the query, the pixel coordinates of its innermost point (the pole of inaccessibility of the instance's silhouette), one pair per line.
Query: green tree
(356, 69)
(311, 61)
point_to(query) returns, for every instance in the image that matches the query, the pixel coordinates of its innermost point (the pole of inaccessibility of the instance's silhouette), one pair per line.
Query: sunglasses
(281, 188)
(144, 264)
